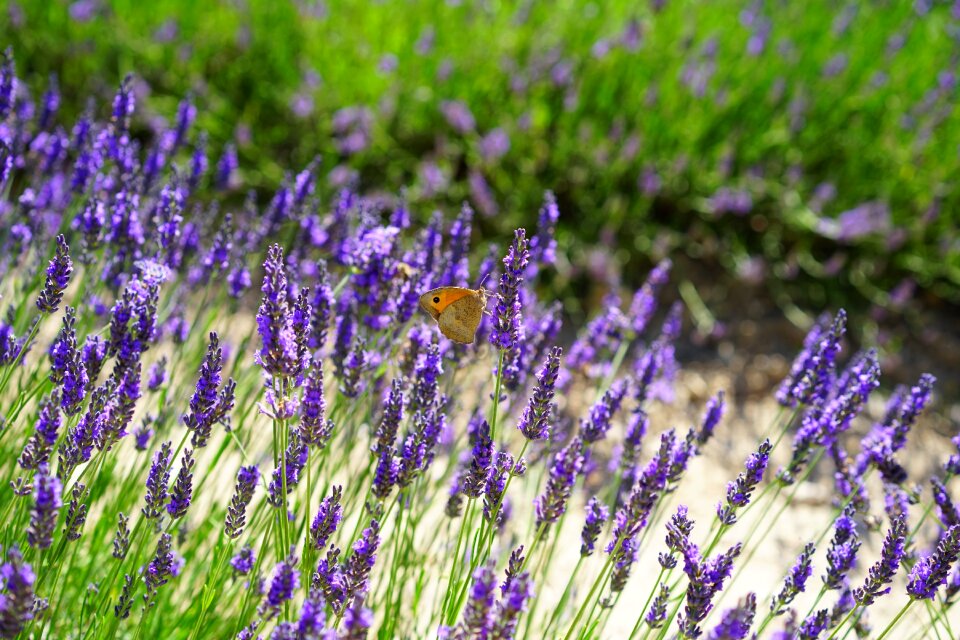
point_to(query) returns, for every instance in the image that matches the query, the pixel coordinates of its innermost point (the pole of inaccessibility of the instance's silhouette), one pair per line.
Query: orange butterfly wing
(436, 300)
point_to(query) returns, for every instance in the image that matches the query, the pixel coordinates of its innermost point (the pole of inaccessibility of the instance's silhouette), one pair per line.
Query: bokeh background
(788, 157)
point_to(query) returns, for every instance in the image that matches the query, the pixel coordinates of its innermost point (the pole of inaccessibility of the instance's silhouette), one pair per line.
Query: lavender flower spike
(58, 277)
(567, 463)
(236, 520)
(882, 572)
(535, 421)
(706, 580)
(514, 602)
(740, 490)
(931, 572)
(159, 570)
(361, 561)
(842, 554)
(507, 317)
(736, 622)
(597, 515)
(478, 613)
(285, 582)
(157, 480)
(644, 302)
(795, 582)
(210, 402)
(279, 354)
(657, 614)
(16, 605)
(181, 494)
(46, 506)
(327, 519)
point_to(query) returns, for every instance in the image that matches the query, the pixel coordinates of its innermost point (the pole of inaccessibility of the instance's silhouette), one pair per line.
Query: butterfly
(457, 310)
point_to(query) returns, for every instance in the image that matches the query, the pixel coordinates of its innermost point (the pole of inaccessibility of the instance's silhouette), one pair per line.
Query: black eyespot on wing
(436, 299)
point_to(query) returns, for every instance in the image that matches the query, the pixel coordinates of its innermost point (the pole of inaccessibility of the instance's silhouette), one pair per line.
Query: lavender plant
(177, 463)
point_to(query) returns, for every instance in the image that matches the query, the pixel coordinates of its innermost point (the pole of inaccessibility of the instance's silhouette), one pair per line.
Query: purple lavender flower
(632, 441)
(812, 369)
(478, 612)
(76, 512)
(242, 562)
(795, 581)
(357, 621)
(882, 572)
(46, 507)
(329, 580)
(247, 479)
(67, 368)
(58, 277)
(295, 458)
(596, 426)
(740, 490)
(657, 613)
(535, 421)
(159, 570)
(93, 354)
(186, 114)
(322, 308)
(181, 493)
(543, 246)
(736, 621)
(157, 374)
(16, 605)
(678, 532)
(327, 520)
(564, 469)
(597, 515)
(168, 219)
(210, 402)
(283, 584)
(314, 429)
(948, 512)
(238, 280)
(514, 567)
(360, 563)
(157, 480)
(356, 362)
(707, 576)
(513, 603)
(814, 625)
(508, 325)
(932, 571)
(644, 302)
(494, 509)
(494, 145)
(475, 477)
(425, 393)
(387, 472)
(458, 115)
(8, 83)
(842, 554)
(121, 539)
(280, 353)
(41, 442)
(711, 417)
(312, 619)
(632, 515)
(226, 168)
(458, 257)
(603, 333)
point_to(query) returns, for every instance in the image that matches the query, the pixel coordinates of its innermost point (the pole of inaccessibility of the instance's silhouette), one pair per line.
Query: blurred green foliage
(857, 98)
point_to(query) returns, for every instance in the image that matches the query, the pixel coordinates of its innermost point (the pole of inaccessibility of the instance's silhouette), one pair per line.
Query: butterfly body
(457, 310)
